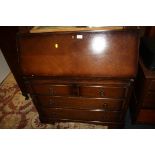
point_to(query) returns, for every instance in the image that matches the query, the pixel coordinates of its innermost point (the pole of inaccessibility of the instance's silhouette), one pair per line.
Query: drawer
(80, 103)
(85, 115)
(76, 89)
(54, 90)
(152, 85)
(149, 100)
(102, 91)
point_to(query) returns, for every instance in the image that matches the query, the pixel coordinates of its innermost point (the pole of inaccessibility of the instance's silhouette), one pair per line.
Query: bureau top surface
(97, 54)
(42, 29)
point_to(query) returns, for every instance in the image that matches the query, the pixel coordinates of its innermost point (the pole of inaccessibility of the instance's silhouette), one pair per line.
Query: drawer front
(80, 115)
(149, 100)
(77, 89)
(152, 85)
(80, 103)
(54, 90)
(102, 92)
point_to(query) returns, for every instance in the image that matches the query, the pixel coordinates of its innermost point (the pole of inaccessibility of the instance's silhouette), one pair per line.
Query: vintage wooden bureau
(143, 97)
(84, 76)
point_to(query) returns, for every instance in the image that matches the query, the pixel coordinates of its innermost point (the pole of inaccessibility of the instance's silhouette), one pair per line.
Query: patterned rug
(18, 113)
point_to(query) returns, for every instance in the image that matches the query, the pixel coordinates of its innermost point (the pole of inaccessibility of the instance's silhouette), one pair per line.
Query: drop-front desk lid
(103, 53)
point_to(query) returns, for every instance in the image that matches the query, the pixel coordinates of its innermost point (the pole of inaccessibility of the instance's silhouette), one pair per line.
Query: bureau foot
(45, 121)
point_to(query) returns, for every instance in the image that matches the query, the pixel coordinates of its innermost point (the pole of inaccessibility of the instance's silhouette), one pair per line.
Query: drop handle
(101, 93)
(51, 102)
(105, 106)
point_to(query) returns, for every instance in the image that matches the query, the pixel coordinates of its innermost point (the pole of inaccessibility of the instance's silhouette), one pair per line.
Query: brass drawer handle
(102, 93)
(105, 106)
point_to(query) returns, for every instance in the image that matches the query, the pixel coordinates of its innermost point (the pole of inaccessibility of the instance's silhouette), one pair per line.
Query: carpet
(18, 113)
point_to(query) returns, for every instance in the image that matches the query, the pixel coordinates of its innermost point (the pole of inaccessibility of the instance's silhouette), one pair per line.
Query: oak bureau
(79, 75)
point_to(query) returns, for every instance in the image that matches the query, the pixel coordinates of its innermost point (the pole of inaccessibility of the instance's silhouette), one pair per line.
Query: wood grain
(78, 57)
